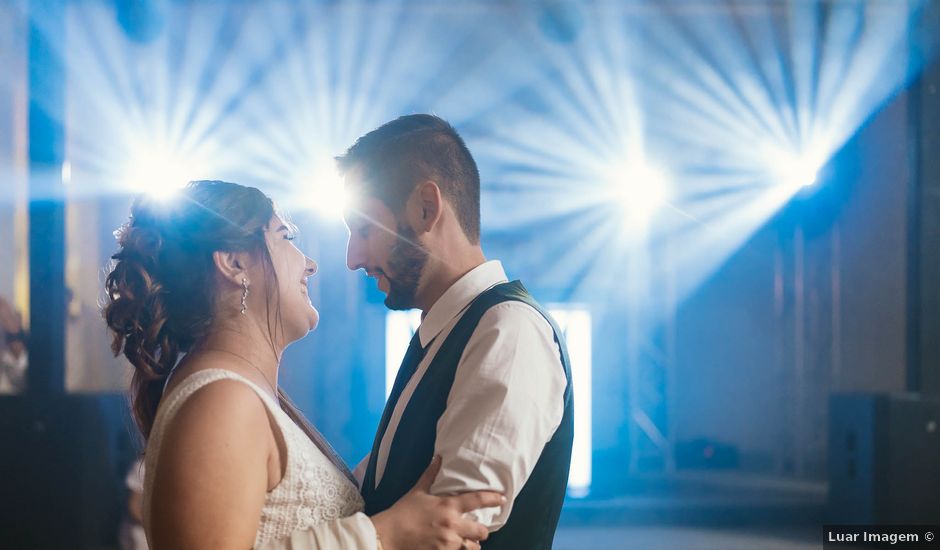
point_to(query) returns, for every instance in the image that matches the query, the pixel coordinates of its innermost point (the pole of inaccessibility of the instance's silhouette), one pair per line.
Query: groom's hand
(422, 520)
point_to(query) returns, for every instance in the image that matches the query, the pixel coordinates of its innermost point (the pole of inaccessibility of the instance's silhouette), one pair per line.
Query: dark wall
(925, 234)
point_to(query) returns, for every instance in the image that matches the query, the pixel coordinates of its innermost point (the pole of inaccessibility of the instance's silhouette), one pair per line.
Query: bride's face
(293, 269)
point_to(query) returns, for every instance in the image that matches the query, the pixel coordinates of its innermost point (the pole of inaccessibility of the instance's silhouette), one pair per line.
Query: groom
(485, 382)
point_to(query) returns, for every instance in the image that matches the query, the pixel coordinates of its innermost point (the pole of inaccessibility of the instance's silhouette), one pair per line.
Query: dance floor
(686, 538)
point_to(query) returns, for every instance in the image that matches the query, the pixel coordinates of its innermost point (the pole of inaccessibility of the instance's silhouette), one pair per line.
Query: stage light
(322, 188)
(795, 170)
(158, 171)
(641, 189)
(796, 173)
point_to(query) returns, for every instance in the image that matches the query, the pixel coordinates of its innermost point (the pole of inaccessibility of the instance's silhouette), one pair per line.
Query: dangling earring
(244, 296)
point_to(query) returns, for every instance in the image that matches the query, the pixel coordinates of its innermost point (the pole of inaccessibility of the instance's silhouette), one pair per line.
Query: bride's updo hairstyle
(161, 290)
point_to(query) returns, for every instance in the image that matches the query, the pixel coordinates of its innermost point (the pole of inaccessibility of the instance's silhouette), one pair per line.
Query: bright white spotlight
(322, 188)
(158, 171)
(641, 188)
(796, 172)
(795, 169)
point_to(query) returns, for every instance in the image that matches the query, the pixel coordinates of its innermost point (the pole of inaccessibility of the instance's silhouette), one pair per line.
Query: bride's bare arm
(212, 472)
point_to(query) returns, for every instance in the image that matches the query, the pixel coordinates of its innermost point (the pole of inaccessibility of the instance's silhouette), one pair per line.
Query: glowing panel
(575, 324)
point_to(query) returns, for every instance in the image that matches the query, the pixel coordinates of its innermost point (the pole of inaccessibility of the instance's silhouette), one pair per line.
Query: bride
(205, 293)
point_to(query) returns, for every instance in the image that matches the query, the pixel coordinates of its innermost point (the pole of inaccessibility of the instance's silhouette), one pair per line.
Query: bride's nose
(311, 267)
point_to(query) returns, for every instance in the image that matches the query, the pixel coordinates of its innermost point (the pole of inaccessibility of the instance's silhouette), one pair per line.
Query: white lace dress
(314, 506)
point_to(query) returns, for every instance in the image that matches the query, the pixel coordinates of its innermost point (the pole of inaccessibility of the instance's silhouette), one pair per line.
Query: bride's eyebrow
(290, 229)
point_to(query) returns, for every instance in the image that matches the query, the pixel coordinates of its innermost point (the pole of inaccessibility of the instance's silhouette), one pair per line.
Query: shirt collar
(458, 297)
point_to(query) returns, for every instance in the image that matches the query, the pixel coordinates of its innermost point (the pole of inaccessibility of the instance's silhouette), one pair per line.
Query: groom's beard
(406, 261)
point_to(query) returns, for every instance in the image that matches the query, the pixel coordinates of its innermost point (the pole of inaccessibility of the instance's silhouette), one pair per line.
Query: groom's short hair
(395, 157)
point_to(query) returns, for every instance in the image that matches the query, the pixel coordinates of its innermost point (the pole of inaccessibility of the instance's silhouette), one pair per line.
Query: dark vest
(536, 509)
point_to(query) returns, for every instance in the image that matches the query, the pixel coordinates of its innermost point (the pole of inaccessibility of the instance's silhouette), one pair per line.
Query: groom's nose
(355, 259)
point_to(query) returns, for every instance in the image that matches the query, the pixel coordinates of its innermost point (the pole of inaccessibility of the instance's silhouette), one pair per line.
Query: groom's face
(387, 248)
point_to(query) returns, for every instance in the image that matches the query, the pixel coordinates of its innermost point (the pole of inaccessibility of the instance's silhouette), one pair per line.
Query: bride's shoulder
(220, 405)
(218, 426)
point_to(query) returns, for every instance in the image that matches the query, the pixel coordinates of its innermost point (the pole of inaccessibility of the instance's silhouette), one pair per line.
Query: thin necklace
(252, 365)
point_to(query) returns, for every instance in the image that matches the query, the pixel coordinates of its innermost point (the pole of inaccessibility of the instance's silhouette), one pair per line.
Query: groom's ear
(231, 266)
(427, 205)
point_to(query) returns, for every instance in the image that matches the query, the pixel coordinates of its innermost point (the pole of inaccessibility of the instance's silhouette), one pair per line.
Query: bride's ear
(231, 266)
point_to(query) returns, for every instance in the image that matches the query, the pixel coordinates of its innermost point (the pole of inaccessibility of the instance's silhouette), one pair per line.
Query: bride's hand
(421, 520)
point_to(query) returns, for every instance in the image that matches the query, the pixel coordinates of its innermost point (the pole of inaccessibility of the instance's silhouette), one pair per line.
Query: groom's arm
(506, 402)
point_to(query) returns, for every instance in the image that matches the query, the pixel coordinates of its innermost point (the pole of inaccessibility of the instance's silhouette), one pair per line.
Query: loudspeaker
(63, 464)
(884, 459)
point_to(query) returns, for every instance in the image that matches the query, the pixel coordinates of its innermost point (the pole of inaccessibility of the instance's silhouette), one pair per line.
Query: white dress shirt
(507, 399)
